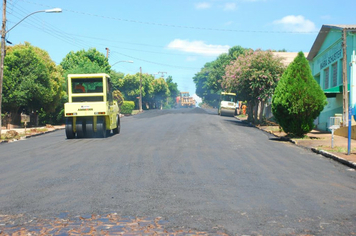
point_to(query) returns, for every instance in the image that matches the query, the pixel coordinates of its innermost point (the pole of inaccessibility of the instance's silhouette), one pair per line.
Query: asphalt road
(194, 169)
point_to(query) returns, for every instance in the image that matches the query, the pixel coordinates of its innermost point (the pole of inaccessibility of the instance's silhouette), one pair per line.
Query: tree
(82, 62)
(117, 79)
(174, 92)
(254, 75)
(298, 98)
(209, 97)
(32, 81)
(160, 92)
(208, 80)
(131, 88)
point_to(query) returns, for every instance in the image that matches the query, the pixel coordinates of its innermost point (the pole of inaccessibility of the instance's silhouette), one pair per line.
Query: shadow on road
(237, 122)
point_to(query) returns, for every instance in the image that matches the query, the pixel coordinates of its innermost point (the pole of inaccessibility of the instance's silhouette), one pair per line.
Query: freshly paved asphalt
(194, 169)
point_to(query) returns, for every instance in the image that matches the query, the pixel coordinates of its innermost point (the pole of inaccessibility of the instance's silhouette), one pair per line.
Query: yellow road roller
(91, 110)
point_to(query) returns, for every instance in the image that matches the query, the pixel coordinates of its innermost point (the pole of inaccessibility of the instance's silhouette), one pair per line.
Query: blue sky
(176, 37)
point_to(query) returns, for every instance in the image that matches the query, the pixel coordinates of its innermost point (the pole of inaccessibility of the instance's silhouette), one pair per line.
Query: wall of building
(332, 109)
(327, 71)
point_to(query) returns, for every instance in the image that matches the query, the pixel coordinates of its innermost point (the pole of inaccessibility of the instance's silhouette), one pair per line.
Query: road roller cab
(228, 104)
(91, 110)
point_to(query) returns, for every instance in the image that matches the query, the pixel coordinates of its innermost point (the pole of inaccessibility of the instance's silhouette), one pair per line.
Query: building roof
(288, 57)
(325, 29)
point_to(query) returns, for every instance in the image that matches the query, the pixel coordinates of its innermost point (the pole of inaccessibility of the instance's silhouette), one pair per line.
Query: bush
(11, 134)
(127, 107)
(56, 117)
(298, 99)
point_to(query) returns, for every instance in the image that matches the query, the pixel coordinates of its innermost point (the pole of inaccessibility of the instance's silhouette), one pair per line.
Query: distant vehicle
(228, 104)
(184, 100)
(90, 110)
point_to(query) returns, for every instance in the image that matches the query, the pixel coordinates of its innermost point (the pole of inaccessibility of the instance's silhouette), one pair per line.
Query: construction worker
(80, 87)
(244, 109)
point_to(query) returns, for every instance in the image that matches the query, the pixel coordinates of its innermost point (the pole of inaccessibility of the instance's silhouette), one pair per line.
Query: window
(87, 85)
(334, 68)
(326, 78)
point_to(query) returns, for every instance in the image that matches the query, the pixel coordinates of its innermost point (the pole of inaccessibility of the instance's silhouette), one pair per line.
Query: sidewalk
(30, 132)
(319, 142)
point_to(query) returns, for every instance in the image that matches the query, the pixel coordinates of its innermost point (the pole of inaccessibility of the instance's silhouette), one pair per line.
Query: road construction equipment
(91, 110)
(184, 100)
(228, 104)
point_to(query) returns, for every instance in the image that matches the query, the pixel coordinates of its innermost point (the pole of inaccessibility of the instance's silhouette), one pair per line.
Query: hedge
(127, 107)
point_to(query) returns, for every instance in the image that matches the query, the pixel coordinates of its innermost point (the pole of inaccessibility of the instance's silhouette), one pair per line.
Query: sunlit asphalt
(173, 172)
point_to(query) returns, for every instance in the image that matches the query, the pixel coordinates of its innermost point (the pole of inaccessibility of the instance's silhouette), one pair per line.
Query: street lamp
(3, 36)
(121, 61)
(54, 10)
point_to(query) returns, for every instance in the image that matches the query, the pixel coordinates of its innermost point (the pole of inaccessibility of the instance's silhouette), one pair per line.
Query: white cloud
(191, 59)
(202, 5)
(198, 47)
(230, 6)
(296, 24)
(229, 23)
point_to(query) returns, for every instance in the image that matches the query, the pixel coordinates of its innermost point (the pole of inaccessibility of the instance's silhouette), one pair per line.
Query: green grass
(274, 129)
(335, 149)
(241, 116)
(134, 112)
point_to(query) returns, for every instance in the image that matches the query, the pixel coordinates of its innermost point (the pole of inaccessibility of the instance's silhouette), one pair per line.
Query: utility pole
(3, 44)
(161, 73)
(3, 34)
(107, 52)
(140, 101)
(345, 96)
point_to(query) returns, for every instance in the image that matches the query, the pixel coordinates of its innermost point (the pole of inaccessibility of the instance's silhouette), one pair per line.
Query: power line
(156, 63)
(63, 36)
(76, 41)
(181, 26)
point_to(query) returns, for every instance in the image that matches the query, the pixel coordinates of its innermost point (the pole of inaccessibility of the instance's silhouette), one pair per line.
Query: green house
(326, 61)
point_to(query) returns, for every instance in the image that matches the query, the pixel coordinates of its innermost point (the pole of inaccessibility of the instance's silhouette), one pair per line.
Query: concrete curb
(335, 158)
(321, 152)
(42, 133)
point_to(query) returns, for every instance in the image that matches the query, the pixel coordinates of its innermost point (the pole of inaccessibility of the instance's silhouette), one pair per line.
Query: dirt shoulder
(12, 135)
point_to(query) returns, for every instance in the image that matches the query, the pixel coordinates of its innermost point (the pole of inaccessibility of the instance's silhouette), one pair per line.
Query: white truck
(228, 104)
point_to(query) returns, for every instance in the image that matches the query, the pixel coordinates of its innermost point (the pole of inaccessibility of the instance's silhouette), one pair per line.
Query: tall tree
(208, 80)
(32, 81)
(298, 98)
(81, 62)
(117, 79)
(201, 79)
(131, 87)
(254, 75)
(174, 92)
(160, 92)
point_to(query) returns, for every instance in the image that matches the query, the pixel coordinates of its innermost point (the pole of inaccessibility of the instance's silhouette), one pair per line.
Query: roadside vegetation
(298, 98)
(13, 135)
(34, 85)
(259, 78)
